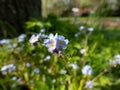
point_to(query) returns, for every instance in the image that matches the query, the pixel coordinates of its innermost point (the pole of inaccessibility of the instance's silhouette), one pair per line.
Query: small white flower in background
(28, 64)
(75, 10)
(77, 34)
(63, 71)
(14, 78)
(9, 67)
(87, 70)
(47, 58)
(89, 84)
(22, 37)
(54, 81)
(42, 30)
(91, 29)
(113, 63)
(74, 66)
(83, 51)
(117, 58)
(81, 28)
(5, 41)
(34, 39)
(37, 70)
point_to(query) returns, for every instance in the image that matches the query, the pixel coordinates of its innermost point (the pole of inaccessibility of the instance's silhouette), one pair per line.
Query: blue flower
(74, 66)
(55, 43)
(117, 58)
(87, 70)
(5, 41)
(36, 70)
(9, 68)
(42, 30)
(22, 37)
(89, 84)
(47, 58)
(61, 42)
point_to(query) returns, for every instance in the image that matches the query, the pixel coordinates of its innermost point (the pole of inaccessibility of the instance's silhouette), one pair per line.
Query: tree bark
(16, 12)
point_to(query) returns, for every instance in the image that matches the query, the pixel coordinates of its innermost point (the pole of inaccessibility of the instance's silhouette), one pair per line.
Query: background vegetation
(94, 38)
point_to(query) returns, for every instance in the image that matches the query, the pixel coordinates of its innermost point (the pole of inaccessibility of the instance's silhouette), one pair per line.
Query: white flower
(81, 28)
(14, 78)
(63, 71)
(117, 58)
(74, 66)
(47, 58)
(9, 67)
(42, 30)
(75, 10)
(87, 70)
(21, 37)
(83, 51)
(89, 84)
(5, 41)
(113, 62)
(28, 64)
(54, 80)
(37, 70)
(34, 39)
(91, 29)
(77, 34)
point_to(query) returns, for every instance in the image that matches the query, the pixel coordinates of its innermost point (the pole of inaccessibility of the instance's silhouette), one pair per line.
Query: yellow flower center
(34, 39)
(52, 45)
(60, 42)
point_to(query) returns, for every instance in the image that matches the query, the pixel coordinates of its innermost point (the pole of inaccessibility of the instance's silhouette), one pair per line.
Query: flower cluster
(8, 68)
(84, 29)
(55, 43)
(35, 38)
(5, 41)
(87, 70)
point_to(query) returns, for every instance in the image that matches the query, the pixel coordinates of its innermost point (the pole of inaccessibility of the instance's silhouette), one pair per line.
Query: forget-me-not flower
(34, 38)
(21, 37)
(5, 41)
(117, 58)
(56, 43)
(89, 84)
(87, 70)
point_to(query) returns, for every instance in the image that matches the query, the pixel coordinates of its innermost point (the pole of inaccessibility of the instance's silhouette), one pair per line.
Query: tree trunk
(16, 12)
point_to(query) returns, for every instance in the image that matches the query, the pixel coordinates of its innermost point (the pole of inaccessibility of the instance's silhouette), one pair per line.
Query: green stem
(81, 85)
(100, 74)
(66, 64)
